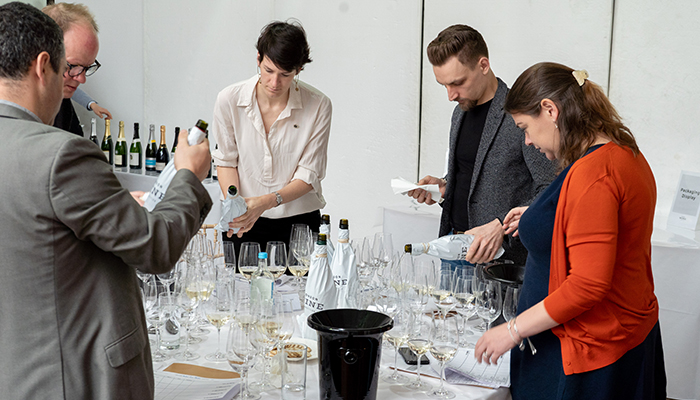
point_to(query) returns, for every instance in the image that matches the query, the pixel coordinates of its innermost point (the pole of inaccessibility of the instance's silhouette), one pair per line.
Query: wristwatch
(278, 197)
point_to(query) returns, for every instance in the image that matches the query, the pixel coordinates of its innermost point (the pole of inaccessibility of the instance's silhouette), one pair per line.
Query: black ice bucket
(349, 352)
(506, 273)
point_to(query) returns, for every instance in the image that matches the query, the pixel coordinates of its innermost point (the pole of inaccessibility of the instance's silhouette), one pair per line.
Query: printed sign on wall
(686, 206)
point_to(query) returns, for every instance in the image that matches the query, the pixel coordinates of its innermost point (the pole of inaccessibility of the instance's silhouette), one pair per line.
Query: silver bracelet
(520, 345)
(529, 342)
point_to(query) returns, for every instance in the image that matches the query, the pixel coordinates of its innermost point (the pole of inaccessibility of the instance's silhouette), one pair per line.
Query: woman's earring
(296, 82)
(555, 125)
(259, 76)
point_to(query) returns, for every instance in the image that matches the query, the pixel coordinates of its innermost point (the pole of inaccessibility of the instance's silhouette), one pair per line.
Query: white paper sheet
(402, 186)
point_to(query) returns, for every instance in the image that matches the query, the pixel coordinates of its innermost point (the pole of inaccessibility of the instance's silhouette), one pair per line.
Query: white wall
(656, 85)
(164, 62)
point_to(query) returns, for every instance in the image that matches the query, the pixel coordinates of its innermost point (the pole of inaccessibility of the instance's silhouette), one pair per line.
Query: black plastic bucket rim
(384, 322)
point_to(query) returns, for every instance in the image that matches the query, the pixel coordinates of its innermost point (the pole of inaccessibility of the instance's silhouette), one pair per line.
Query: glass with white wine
(300, 250)
(248, 259)
(398, 336)
(277, 258)
(419, 342)
(443, 349)
(217, 309)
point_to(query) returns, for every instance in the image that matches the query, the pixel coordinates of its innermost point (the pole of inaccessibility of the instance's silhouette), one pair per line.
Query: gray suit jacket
(507, 173)
(71, 321)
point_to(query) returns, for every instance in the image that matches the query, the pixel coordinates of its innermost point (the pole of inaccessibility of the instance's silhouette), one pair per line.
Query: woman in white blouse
(272, 133)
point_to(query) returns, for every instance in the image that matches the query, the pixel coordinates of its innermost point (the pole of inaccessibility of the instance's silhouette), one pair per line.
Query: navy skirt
(638, 375)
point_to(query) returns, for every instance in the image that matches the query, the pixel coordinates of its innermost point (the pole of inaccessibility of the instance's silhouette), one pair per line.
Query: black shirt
(67, 119)
(465, 155)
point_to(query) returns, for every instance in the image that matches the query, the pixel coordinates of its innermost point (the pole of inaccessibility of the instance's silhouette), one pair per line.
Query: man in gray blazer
(71, 320)
(490, 170)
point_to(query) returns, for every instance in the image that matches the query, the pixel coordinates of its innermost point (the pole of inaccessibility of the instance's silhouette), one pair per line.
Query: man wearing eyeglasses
(81, 42)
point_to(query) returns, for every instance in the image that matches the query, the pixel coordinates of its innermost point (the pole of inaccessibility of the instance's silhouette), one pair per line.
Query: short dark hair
(284, 43)
(462, 41)
(25, 32)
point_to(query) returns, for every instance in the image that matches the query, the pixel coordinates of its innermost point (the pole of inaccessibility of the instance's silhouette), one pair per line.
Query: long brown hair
(584, 111)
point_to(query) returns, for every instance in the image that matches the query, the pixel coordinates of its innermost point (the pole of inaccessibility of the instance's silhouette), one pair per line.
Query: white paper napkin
(402, 186)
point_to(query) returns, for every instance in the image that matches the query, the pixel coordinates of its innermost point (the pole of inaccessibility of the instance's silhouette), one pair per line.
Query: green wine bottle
(151, 151)
(135, 152)
(107, 145)
(120, 156)
(162, 155)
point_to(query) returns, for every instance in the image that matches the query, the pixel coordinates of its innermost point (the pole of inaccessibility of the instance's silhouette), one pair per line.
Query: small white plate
(312, 352)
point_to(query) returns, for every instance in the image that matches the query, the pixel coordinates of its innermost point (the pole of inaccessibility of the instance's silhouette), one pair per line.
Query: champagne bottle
(450, 247)
(151, 151)
(162, 155)
(320, 293)
(107, 145)
(120, 150)
(232, 207)
(135, 152)
(344, 269)
(262, 284)
(93, 132)
(177, 134)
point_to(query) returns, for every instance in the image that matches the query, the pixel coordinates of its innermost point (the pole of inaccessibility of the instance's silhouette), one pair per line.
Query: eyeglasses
(76, 70)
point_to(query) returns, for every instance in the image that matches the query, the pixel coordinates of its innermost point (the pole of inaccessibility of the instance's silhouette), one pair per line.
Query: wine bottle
(120, 150)
(107, 145)
(320, 293)
(177, 134)
(151, 151)
(93, 132)
(325, 227)
(162, 155)
(450, 247)
(135, 152)
(344, 269)
(232, 207)
(262, 282)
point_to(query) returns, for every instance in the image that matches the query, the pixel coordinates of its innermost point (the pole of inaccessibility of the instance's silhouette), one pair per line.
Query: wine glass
(365, 269)
(155, 318)
(188, 291)
(168, 278)
(443, 294)
(240, 354)
(277, 258)
(443, 349)
(229, 257)
(217, 308)
(488, 301)
(300, 250)
(248, 259)
(466, 303)
(266, 337)
(419, 342)
(382, 252)
(510, 303)
(398, 336)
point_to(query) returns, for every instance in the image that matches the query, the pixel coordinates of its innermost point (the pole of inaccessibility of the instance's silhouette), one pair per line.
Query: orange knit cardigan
(601, 289)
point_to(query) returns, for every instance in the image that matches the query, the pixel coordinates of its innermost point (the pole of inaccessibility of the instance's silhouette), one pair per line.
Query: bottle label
(151, 162)
(118, 160)
(106, 152)
(160, 166)
(134, 160)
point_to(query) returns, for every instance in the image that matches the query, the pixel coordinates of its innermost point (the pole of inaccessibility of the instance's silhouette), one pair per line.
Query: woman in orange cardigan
(587, 303)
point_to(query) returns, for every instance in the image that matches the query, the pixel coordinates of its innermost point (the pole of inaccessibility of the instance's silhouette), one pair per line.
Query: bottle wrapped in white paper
(320, 289)
(325, 228)
(344, 269)
(449, 247)
(232, 207)
(195, 136)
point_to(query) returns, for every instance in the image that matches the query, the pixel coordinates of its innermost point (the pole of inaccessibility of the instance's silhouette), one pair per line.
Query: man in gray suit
(490, 170)
(71, 321)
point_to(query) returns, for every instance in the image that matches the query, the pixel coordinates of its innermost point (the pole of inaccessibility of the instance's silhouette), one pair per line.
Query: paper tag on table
(183, 386)
(463, 369)
(402, 186)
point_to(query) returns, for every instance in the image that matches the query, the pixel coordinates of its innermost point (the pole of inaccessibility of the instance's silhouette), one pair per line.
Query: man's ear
(40, 65)
(484, 65)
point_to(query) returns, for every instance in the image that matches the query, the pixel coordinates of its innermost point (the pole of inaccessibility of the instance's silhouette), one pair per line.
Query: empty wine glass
(443, 349)
(240, 354)
(488, 301)
(510, 303)
(382, 252)
(229, 257)
(248, 259)
(155, 318)
(398, 336)
(276, 258)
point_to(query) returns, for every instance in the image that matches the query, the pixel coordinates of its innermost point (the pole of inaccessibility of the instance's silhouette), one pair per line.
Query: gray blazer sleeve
(82, 98)
(88, 198)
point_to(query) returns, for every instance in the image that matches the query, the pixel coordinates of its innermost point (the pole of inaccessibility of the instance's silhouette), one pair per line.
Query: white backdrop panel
(656, 85)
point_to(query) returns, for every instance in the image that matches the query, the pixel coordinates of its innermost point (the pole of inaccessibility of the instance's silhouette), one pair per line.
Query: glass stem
(218, 346)
(418, 367)
(396, 360)
(442, 377)
(244, 390)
